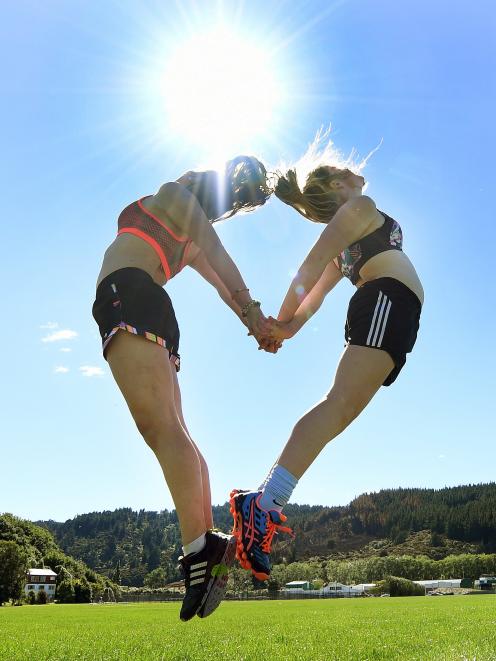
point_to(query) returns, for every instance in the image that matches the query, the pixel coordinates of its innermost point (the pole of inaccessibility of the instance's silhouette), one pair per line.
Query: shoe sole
(241, 554)
(216, 589)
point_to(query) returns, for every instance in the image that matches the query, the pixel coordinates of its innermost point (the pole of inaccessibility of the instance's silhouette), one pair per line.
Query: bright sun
(219, 90)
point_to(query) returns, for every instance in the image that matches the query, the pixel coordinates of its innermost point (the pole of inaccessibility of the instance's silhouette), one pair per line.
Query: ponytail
(314, 203)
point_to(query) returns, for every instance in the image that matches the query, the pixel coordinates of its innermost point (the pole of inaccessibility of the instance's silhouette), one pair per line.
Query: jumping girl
(158, 235)
(364, 245)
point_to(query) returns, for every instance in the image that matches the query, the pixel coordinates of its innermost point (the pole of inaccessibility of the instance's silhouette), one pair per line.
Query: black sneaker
(205, 575)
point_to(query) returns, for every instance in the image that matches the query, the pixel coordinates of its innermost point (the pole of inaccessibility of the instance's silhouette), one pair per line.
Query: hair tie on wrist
(250, 304)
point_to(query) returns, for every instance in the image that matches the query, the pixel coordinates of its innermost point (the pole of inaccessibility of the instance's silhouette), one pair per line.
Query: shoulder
(359, 213)
(174, 202)
(363, 207)
(170, 193)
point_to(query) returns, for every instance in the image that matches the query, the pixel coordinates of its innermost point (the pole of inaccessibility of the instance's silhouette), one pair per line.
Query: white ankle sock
(277, 489)
(196, 545)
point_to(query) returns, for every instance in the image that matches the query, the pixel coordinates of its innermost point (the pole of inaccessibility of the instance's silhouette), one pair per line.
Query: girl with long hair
(365, 245)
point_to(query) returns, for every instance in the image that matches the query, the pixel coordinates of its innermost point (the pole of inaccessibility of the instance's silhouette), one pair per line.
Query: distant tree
(402, 587)
(239, 581)
(82, 591)
(41, 597)
(65, 592)
(273, 588)
(31, 597)
(436, 539)
(116, 575)
(156, 578)
(13, 567)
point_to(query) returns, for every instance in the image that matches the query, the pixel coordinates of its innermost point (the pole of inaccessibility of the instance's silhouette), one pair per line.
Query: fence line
(242, 596)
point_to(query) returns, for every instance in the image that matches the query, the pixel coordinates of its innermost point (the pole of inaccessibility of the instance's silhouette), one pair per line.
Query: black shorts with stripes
(384, 314)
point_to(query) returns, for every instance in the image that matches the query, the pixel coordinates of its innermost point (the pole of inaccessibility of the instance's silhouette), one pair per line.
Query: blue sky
(84, 133)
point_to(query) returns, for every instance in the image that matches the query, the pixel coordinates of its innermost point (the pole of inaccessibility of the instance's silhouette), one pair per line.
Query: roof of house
(297, 583)
(41, 572)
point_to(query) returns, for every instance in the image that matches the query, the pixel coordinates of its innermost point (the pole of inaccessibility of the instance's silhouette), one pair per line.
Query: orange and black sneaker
(254, 529)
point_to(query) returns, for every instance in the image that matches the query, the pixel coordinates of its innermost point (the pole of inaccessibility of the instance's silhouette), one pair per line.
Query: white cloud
(90, 370)
(50, 325)
(66, 349)
(60, 370)
(57, 336)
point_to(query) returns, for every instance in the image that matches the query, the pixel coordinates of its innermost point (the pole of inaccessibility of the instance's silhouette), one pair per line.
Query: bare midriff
(392, 264)
(131, 251)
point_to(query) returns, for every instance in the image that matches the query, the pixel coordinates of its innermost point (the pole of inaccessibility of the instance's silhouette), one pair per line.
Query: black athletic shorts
(130, 300)
(384, 314)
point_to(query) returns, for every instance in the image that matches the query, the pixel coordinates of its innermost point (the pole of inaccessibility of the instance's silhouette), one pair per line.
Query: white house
(341, 590)
(298, 586)
(434, 584)
(41, 579)
(362, 588)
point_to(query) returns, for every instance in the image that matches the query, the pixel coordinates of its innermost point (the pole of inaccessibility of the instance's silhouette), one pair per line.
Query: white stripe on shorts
(379, 321)
(388, 309)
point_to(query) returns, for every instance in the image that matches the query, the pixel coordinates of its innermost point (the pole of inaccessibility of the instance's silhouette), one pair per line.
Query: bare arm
(202, 266)
(284, 329)
(348, 225)
(178, 203)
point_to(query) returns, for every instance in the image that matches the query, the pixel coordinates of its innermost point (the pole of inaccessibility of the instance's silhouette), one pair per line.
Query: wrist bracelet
(238, 291)
(250, 304)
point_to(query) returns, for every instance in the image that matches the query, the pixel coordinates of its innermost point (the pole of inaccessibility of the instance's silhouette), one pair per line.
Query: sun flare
(219, 90)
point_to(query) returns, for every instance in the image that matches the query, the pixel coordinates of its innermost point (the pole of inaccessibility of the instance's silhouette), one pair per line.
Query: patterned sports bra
(171, 249)
(387, 237)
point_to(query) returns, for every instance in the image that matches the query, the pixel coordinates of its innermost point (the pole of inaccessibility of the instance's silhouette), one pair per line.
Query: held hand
(257, 322)
(268, 344)
(281, 330)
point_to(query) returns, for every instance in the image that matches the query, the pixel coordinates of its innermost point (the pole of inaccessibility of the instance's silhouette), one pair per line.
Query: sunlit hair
(315, 201)
(242, 186)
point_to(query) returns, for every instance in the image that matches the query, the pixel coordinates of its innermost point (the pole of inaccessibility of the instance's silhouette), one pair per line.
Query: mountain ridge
(415, 521)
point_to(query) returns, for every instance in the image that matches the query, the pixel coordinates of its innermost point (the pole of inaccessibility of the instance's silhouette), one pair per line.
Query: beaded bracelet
(250, 304)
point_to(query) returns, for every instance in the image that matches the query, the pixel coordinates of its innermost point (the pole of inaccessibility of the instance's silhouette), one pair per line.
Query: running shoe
(254, 529)
(205, 575)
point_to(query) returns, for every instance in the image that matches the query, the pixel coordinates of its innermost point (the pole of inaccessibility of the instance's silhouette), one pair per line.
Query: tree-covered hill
(465, 514)
(128, 545)
(38, 548)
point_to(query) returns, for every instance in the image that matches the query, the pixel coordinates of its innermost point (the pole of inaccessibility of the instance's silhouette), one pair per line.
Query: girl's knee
(344, 409)
(156, 426)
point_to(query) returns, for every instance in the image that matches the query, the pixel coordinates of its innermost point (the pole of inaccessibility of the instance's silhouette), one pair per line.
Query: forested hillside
(37, 547)
(128, 545)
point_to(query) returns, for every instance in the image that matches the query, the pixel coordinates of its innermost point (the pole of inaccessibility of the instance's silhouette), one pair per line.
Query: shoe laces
(272, 529)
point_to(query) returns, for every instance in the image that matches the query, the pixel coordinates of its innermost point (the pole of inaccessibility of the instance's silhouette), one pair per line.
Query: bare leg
(360, 373)
(207, 498)
(145, 377)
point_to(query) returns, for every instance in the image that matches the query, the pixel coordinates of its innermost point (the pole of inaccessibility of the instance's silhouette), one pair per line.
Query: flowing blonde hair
(315, 201)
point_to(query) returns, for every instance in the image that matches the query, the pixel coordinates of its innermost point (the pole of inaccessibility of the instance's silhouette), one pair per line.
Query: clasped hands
(271, 333)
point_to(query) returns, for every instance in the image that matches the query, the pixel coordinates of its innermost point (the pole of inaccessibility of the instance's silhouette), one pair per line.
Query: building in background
(41, 579)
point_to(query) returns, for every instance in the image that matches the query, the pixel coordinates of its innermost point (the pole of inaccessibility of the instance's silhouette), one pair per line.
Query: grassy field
(407, 628)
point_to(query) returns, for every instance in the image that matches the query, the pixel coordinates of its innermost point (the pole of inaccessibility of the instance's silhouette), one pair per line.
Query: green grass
(407, 629)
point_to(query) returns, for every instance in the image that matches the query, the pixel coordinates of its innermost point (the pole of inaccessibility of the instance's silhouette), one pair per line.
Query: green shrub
(13, 566)
(402, 587)
(156, 578)
(31, 597)
(41, 597)
(82, 591)
(65, 592)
